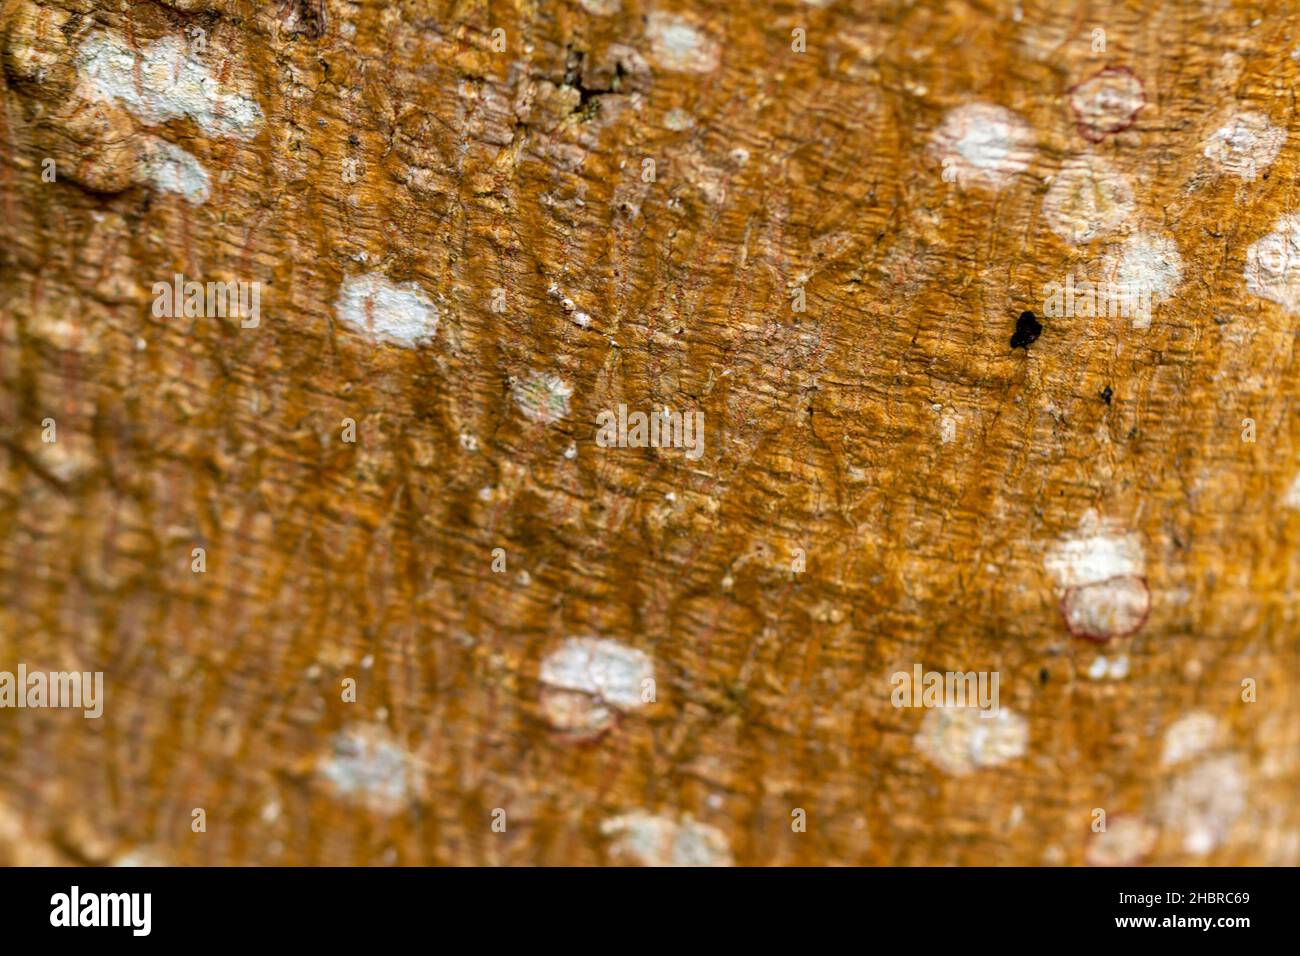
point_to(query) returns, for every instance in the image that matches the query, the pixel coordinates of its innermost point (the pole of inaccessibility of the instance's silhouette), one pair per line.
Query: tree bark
(476, 230)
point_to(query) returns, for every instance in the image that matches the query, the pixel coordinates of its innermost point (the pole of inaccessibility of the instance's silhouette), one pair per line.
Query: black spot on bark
(1107, 394)
(1028, 329)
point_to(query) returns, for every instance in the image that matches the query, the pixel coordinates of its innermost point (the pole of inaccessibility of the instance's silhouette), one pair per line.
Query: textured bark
(887, 439)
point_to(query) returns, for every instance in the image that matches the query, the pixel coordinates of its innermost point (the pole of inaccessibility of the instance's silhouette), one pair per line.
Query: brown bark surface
(885, 439)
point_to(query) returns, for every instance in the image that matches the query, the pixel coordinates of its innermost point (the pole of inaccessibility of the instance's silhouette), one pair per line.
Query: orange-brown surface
(884, 481)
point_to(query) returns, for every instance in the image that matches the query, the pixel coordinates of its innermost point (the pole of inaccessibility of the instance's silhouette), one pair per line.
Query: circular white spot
(1189, 736)
(676, 43)
(1291, 497)
(1099, 550)
(1146, 266)
(1205, 801)
(678, 120)
(1087, 200)
(1126, 841)
(577, 714)
(603, 668)
(543, 397)
(650, 840)
(365, 765)
(1245, 146)
(1107, 103)
(1273, 264)
(961, 739)
(982, 145)
(586, 680)
(399, 313)
(1100, 611)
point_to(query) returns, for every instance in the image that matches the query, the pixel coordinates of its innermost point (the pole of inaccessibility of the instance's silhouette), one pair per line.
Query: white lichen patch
(1098, 571)
(365, 766)
(1148, 267)
(980, 144)
(601, 8)
(164, 82)
(542, 397)
(1126, 841)
(1205, 801)
(947, 428)
(1115, 607)
(1098, 551)
(169, 168)
(678, 120)
(1189, 736)
(678, 44)
(959, 740)
(587, 681)
(1245, 145)
(1087, 200)
(394, 312)
(1291, 497)
(604, 668)
(577, 716)
(646, 839)
(1273, 264)
(1107, 103)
